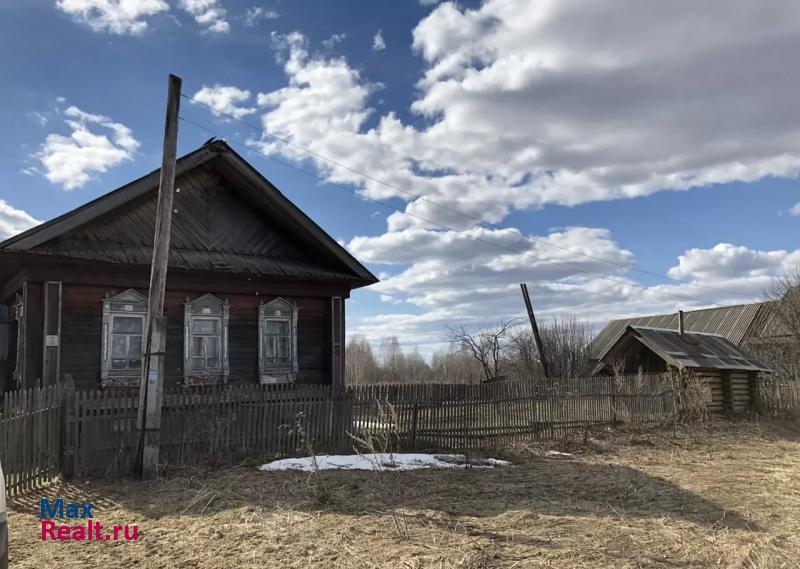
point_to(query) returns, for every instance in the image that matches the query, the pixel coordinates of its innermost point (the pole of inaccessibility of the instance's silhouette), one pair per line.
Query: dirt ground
(725, 497)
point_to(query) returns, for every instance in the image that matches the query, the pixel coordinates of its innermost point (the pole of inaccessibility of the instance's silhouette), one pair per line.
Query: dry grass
(727, 497)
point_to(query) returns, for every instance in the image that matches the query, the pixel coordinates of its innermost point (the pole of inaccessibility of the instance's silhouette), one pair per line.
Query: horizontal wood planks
(81, 330)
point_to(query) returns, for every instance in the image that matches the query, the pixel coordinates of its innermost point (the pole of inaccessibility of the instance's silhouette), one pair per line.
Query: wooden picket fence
(454, 416)
(778, 394)
(30, 437)
(221, 423)
(56, 430)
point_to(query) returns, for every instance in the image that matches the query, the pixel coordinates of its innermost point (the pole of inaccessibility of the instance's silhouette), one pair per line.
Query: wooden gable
(225, 220)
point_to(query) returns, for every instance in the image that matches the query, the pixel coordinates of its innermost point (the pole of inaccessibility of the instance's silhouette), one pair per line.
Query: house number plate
(51, 340)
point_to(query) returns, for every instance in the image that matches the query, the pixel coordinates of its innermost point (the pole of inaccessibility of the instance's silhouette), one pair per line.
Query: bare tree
(392, 360)
(566, 344)
(456, 367)
(779, 343)
(489, 346)
(360, 364)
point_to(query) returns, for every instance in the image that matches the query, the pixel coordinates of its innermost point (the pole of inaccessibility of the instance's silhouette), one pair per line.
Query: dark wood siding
(82, 342)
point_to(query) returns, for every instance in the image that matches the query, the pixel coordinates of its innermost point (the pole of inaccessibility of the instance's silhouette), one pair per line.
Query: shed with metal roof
(728, 372)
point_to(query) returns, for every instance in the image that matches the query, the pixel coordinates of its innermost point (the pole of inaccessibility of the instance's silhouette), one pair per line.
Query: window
(277, 333)
(123, 332)
(126, 342)
(205, 357)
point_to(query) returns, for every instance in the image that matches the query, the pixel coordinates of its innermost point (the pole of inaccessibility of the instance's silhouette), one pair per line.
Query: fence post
(614, 420)
(414, 427)
(69, 427)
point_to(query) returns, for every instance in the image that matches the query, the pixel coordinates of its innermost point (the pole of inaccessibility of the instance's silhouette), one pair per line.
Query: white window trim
(132, 303)
(206, 307)
(277, 373)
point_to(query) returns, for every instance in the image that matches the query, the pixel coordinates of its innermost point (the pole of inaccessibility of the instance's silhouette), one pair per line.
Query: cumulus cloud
(331, 42)
(113, 16)
(95, 144)
(724, 262)
(13, 221)
(795, 209)
(258, 13)
(378, 43)
(225, 98)
(209, 14)
(522, 105)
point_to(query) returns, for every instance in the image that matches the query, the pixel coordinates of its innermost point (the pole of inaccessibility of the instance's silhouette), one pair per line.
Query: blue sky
(626, 132)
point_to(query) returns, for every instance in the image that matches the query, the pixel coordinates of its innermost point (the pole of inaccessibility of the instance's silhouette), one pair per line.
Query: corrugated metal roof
(695, 351)
(730, 322)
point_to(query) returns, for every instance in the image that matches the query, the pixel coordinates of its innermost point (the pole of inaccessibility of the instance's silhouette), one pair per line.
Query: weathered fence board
(44, 432)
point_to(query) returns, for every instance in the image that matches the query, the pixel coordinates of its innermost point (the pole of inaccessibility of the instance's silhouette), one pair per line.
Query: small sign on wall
(51, 340)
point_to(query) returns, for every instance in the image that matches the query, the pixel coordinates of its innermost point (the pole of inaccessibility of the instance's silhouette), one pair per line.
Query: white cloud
(378, 43)
(113, 16)
(795, 209)
(258, 13)
(209, 14)
(72, 160)
(724, 262)
(13, 221)
(331, 42)
(526, 104)
(225, 98)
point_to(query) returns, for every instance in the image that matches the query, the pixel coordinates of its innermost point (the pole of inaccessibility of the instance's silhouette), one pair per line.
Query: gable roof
(688, 351)
(85, 234)
(731, 322)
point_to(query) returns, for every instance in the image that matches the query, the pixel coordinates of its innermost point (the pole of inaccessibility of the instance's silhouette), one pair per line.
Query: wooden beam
(133, 276)
(535, 329)
(51, 338)
(337, 342)
(151, 386)
(32, 342)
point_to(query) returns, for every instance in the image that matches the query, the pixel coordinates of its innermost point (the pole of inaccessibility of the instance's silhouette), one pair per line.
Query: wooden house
(255, 290)
(729, 374)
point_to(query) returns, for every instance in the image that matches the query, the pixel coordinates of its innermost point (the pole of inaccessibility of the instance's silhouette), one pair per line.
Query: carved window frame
(281, 310)
(125, 304)
(206, 307)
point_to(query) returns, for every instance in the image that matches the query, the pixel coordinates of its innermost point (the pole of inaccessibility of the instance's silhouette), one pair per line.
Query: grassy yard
(725, 497)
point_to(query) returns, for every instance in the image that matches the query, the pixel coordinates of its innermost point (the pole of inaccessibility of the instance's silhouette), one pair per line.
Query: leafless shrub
(380, 439)
(323, 492)
(691, 394)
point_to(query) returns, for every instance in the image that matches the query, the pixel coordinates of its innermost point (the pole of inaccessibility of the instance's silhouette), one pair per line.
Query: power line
(437, 224)
(451, 209)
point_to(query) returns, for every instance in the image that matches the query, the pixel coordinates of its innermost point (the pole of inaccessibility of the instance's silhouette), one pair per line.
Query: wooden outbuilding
(729, 374)
(255, 292)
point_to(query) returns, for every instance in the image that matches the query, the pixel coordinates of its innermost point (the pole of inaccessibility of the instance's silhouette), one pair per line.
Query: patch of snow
(497, 462)
(556, 453)
(379, 461)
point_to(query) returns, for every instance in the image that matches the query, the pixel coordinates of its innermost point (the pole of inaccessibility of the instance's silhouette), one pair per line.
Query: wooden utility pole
(152, 382)
(535, 328)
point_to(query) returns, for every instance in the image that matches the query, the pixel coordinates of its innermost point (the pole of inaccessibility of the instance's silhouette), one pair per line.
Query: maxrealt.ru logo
(88, 530)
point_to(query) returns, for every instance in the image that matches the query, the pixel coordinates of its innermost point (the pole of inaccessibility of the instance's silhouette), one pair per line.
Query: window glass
(135, 348)
(119, 346)
(197, 347)
(277, 340)
(204, 326)
(128, 325)
(278, 327)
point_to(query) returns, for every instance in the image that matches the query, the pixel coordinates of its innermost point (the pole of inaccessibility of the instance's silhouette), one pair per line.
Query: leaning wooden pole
(537, 338)
(152, 381)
